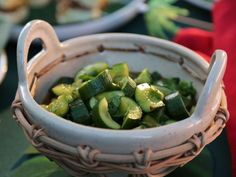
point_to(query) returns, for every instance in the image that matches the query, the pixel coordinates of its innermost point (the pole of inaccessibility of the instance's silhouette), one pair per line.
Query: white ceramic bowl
(106, 23)
(139, 52)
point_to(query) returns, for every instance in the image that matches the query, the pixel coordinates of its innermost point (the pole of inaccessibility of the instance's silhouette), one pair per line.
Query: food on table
(115, 98)
(15, 10)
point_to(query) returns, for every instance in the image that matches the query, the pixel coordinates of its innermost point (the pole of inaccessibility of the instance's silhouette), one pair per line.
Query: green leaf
(31, 150)
(160, 15)
(39, 167)
(201, 166)
(13, 142)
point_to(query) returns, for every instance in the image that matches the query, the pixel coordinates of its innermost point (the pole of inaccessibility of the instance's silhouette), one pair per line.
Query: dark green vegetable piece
(156, 76)
(91, 70)
(175, 106)
(79, 112)
(163, 89)
(170, 83)
(148, 97)
(128, 86)
(113, 105)
(109, 95)
(186, 88)
(101, 83)
(101, 116)
(131, 112)
(149, 122)
(144, 77)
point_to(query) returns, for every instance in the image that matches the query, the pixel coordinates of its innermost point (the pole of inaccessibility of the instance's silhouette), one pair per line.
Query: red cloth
(223, 37)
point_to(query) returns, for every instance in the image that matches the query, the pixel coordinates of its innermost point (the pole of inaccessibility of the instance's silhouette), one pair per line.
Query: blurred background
(188, 22)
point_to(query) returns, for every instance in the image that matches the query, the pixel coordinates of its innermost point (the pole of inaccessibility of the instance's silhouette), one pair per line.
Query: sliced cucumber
(102, 117)
(100, 83)
(59, 107)
(62, 89)
(128, 86)
(148, 97)
(119, 70)
(67, 98)
(163, 89)
(144, 77)
(91, 70)
(149, 122)
(131, 111)
(109, 95)
(175, 106)
(156, 76)
(79, 112)
(92, 102)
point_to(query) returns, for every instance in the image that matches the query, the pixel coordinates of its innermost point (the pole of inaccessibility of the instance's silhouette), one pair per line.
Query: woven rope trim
(81, 160)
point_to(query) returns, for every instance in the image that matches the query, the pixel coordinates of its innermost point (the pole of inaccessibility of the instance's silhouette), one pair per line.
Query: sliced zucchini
(101, 83)
(148, 97)
(175, 106)
(131, 111)
(79, 112)
(113, 106)
(109, 95)
(62, 89)
(59, 107)
(158, 114)
(128, 86)
(101, 116)
(186, 88)
(91, 70)
(144, 77)
(149, 122)
(156, 76)
(92, 102)
(170, 83)
(119, 70)
(163, 89)
(67, 98)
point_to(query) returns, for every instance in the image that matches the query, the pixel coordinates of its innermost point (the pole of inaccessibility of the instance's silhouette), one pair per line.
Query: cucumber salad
(115, 98)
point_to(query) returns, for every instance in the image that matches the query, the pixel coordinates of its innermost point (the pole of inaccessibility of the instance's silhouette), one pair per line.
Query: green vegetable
(149, 122)
(79, 112)
(101, 116)
(101, 83)
(144, 77)
(65, 97)
(175, 106)
(119, 71)
(91, 70)
(156, 76)
(127, 85)
(131, 112)
(62, 89)
(59, 107)
(109, 95)
(92, 102)
(186, 88)
(148, 97)
(163, 89)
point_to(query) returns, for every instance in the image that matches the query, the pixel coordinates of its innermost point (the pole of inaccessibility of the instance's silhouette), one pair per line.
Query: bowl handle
(36, 29)
(212, 86)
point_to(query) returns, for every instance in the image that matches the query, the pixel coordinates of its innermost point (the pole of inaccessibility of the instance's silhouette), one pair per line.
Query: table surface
(13, 143)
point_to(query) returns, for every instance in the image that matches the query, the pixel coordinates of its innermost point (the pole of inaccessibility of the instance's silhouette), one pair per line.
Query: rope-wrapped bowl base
(83, 159)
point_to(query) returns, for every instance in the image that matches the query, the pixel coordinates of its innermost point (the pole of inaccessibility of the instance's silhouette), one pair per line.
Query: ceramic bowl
(64, 59)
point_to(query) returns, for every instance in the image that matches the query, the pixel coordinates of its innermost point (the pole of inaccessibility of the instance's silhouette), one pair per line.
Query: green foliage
(160, 15)
(39, 167)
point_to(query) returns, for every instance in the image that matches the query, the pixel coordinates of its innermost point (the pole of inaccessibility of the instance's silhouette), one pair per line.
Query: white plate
(202, 4)
(3, 66)
(103, 24)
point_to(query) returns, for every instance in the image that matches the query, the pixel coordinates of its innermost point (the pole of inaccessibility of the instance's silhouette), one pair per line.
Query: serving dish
(105, 23)
(155, 150)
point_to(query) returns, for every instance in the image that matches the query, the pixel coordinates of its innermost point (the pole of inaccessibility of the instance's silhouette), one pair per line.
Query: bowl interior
(163, 61)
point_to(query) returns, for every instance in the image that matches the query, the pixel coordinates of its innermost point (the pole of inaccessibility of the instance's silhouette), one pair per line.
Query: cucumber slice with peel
(99, 84)
(175, 106)
(91, 70)
(119, 70)
(101, 116)
(144, 77)
(131, 111)
(148, 97)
